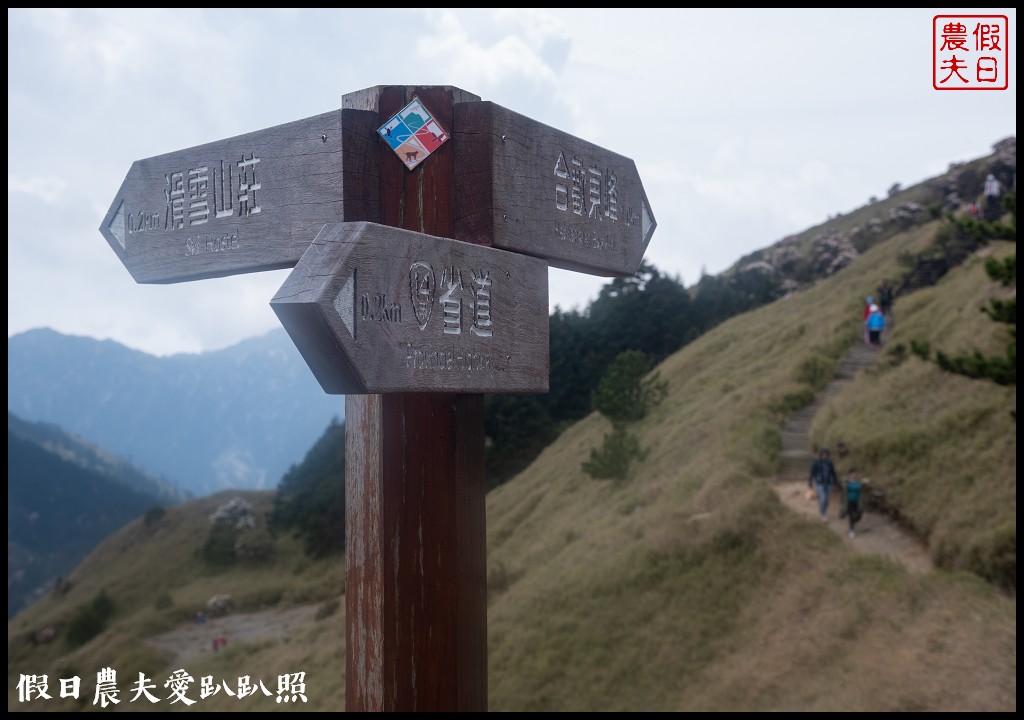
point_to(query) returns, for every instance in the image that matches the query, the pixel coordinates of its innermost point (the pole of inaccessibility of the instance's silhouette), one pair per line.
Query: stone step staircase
(928, 271)
(797, 452)
(924, 274)
(879, 532)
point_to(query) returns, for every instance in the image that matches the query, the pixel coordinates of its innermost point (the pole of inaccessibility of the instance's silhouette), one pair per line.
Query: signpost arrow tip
(345, 304)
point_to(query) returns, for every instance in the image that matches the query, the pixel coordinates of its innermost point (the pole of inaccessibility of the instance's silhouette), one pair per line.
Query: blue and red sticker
(413, 134)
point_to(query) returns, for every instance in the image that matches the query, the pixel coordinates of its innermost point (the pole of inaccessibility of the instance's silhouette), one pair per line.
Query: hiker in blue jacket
(875, 324)
(823, 478)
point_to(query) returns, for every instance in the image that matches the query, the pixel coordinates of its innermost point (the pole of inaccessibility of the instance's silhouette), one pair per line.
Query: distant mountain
(233, 418)
(92, 457)
(65, 495)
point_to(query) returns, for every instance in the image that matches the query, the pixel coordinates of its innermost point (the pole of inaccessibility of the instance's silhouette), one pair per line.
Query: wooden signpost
(416, 313)
(523, 186)
(248, 203)
(369, 204)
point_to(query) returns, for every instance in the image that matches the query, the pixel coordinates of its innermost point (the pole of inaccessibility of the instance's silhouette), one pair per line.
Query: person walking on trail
(823, 478)
(868, 302)
(853, 500)
(992, 192)
(885, 294)
(874, 325)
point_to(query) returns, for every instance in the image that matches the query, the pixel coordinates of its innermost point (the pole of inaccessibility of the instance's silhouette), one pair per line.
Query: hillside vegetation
(64, 496)
(156, 574)
(687, 585)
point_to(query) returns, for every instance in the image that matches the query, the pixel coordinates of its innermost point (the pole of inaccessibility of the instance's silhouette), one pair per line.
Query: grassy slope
(689, 587)
(942, 447)
(686, 587)
(137, 565)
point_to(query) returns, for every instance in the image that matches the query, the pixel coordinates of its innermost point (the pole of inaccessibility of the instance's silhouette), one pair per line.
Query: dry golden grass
(942, 447)
(687, 586)
(138, 565)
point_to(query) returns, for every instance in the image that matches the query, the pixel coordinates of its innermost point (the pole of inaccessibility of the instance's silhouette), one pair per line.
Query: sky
(745, 126)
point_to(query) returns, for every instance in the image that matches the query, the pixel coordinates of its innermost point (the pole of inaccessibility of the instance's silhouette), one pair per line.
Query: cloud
(745, 126)
(48, 189)
(101, 42)
(489, 49)
(145, 52)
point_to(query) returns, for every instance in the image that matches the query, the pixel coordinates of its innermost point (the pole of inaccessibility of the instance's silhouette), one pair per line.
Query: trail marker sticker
(413, 134)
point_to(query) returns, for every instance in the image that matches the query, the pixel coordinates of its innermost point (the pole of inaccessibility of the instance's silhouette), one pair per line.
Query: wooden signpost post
(386, 306)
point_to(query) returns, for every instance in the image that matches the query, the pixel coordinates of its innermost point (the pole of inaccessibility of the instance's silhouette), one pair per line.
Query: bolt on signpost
(420, 222)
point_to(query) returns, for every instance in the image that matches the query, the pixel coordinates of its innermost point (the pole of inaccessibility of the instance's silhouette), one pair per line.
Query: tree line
(650, 314)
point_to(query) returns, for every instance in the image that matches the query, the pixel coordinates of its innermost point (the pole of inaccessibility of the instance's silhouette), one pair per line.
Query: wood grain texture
(377, 309)
(419, 200)
(248, 203)
(416, 573)
(416, 566)
(364, 554)
(523, 186)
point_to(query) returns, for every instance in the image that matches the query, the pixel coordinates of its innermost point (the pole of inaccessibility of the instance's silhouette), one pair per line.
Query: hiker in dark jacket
(853, 500)
(823, 478)
(885, 295)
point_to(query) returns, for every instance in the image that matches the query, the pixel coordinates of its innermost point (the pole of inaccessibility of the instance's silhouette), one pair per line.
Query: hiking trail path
(877, 533)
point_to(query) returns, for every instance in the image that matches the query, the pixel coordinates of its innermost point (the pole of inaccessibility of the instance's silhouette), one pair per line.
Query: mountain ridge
(64, 496)
(194, 418)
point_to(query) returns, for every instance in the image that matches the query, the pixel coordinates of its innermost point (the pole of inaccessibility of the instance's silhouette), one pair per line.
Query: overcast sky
(745, 126)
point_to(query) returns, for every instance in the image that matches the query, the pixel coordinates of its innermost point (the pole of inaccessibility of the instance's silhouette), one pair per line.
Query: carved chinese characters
(526, 187)
(377, 309)
(243, 204)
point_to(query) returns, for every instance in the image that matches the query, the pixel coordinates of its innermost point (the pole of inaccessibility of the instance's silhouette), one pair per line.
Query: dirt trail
(193, 639)
(876, 532)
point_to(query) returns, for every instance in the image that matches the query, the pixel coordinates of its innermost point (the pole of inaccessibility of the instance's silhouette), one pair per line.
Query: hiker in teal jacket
(853, 500)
